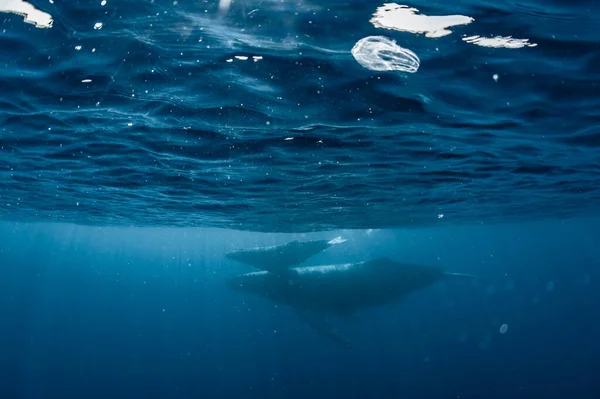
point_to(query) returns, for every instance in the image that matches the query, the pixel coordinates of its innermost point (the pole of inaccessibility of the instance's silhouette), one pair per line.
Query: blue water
(121, 312)
(134, 156)
(169, 133)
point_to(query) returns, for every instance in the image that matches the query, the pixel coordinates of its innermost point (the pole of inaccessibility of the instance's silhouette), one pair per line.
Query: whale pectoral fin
(318, 321)
(463, 275)
(337, 240)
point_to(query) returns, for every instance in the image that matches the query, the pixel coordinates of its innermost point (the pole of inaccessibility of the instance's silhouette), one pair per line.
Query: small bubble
(103, 3)
(495, 76)
(504, 328)
(98, 25)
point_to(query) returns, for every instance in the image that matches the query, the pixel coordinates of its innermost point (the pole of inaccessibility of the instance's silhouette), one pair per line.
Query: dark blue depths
(108, 312)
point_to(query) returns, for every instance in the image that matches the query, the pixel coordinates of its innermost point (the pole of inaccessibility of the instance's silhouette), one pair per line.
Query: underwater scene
(299, 199)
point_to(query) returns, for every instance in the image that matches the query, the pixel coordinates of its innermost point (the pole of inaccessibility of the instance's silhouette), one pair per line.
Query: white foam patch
(31, 14)
(406, 19)
(378, 53)
(498, 42)
(255, 58)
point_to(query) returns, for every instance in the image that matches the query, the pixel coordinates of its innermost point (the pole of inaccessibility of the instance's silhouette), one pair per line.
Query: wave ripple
(261, 119)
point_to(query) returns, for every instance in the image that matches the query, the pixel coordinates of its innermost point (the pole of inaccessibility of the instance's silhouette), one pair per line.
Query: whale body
(338, 289)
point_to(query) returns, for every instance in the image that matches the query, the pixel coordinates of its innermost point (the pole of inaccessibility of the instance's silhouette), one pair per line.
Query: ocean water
(140, 141)
(129, 113)
(102, 312)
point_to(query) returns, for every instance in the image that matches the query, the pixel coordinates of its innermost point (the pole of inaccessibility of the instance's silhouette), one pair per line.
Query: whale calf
(281, 257)
(339, 289)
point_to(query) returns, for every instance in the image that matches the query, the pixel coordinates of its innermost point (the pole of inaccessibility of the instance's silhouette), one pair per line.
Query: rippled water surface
(259, 116)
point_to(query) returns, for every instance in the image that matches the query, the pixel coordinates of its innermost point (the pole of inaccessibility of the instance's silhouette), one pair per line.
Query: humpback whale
(281, 257)
(339, 289)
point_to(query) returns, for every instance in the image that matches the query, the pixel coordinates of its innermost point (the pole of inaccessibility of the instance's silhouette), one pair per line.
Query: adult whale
(340, 289)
